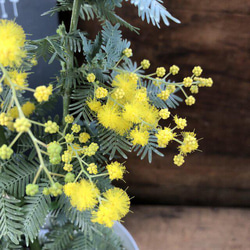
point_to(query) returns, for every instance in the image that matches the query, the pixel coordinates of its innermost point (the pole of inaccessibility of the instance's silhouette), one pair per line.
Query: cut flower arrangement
(63, 167)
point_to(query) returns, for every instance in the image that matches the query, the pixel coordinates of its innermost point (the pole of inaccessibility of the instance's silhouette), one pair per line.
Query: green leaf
(149, 149)
(36, 209)
(11, 217)
(17, 173)
(111, 143)
(59, 238)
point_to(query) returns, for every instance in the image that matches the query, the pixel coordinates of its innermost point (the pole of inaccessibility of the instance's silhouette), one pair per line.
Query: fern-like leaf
(149, 149)
(36, 209)
(17, 173)
(11, 217)
(153, 11)
(111, 143)
(59, 238)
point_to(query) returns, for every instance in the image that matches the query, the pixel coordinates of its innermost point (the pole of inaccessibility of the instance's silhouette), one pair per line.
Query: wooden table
(189, 228)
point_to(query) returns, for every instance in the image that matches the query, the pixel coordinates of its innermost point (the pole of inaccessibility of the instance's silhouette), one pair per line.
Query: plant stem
(70, 62)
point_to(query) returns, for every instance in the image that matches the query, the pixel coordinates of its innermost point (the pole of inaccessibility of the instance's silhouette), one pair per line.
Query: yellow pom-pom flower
(171, 88)
(164, 136)
(5, 119)
(127, 52)
(91, 77)
(51, 127)
(28, 108)
(5, 152)
(11, 43)
(69, 138)
(187, 81)
(164, 113)
(133, 77)
(189, 143)
(68, 167)
(174, 70)
(110, 117)
(69, 118)
(141, 95)
(164, 95)
(76, 128)
(19, 79)
(101, 92)
(22, 125)
(92, 168)
(67, 156)
(83, 195)
(84, 137)
(124, 82)
(114, 207)
(133, 112)
(115, 170)
(194, 89)
(42, 93)
(181, 123)
(160, 71)
(190, 100)
(197, 70)
(91, 149)
(94, 105)
(139, 137)
(119, 93)
(179, 160)
(13, 112)
(145, 64)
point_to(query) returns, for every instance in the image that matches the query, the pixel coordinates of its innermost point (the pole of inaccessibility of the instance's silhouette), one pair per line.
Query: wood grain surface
(203, 180)
(189, 228)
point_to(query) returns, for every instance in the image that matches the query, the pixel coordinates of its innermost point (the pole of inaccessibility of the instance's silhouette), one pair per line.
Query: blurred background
(205, 203)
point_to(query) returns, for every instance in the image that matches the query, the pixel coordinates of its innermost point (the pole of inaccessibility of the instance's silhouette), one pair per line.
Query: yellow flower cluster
(91, 77)
(164, 94)
(92, 168)
(139, 136)
(69, 138)
(127, 106)
(27, 108)
(19, 79)
(115, 170)
(101, 92)
(91, 149)
(174, 70)
(69, 118)
(51, 127)
(164, 136)
(42, 93)
(11, 43)
(84, 137)
(160, 71)
(164, 113)
(5, 152)
(181, 123)
(113, 208)
(128, 52)
(6, 120)
(22, 125)
(76, 128)
(83, 195)
(190, 100)
(145, 64)
(189, 143)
